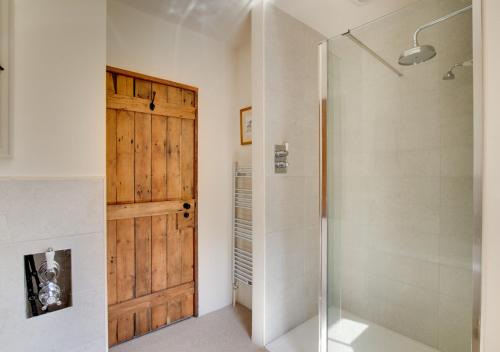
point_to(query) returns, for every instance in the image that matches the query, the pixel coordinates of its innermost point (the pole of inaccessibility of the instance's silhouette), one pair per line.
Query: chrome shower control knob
(50, 294)
(281, 158)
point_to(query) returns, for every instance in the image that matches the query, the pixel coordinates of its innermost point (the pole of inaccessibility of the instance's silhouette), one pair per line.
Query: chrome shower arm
(455, 66)
(438, 20)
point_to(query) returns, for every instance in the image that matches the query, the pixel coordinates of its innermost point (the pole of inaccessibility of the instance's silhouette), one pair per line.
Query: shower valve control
(281, 158)
(48, 281)
(50, 292)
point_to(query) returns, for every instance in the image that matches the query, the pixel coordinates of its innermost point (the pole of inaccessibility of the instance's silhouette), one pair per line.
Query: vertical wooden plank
(142, 157)
(159, 267)
(112, 332)
(187, 254)
(187, 158)
(143, 322)
(124, 157)
(125, 251)
(158, 158)
(111, 156)
(187, 97)
(143, 271)
(111, 279)
(161, 92)
(143, 225)
(187, 306)
(111, 262)
(173, 158)
(142, 89)
(159, 253)
(174, 95)
(159, 193)
(125, 259)
(110, 84)
(174, 310)
(159, 316)
(125, 274)
(173, 252)
(125, 85)
(125, 327)
(143, 256)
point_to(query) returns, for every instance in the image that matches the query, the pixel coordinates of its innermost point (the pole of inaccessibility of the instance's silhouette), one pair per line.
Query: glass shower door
(398, 156)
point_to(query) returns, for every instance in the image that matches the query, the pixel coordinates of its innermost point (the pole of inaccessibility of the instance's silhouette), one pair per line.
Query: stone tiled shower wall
(36, 214)
(292, 200)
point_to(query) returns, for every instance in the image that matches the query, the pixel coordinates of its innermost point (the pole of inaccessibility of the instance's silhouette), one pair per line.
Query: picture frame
(246, 123)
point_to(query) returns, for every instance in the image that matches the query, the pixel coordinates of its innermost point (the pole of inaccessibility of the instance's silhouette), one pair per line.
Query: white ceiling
(333, 17)
(228, 20)
(225, 20)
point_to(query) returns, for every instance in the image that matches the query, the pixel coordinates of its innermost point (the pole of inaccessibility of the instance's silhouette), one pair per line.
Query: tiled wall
(36, 214)
(291, 115)
(403, 159)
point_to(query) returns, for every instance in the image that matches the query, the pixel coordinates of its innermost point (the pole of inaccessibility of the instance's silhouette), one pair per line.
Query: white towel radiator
(242, 227)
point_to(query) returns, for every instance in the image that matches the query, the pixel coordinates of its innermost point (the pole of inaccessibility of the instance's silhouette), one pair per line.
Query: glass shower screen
(398, 168)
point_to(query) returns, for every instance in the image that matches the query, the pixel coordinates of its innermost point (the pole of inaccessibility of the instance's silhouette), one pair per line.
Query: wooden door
(151, 196)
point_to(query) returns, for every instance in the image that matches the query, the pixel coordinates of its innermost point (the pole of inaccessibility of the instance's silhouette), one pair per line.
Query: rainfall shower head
(450, 75)
(421, 53)
(416, 55)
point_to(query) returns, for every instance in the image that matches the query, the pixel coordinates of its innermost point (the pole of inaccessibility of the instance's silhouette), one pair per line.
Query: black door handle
(152, 104)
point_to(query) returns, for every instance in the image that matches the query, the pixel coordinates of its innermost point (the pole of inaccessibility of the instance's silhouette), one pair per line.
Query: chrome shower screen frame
(477, 182)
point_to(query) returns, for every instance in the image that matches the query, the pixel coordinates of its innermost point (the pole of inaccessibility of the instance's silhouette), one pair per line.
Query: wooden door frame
(145, 77)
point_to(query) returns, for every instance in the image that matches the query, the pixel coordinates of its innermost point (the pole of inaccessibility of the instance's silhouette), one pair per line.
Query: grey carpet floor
(226, 330)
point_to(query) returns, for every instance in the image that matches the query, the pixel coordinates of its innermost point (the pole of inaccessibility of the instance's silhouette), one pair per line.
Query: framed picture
(246, 125)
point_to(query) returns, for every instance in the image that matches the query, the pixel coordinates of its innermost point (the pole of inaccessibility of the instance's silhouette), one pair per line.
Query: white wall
(490, 337)
(52, 189)
(4, 77)
(287, 230)
(258, 177)
(36, 214)
(242, 153)
(148, 44)
(57, 92)
(243, 90)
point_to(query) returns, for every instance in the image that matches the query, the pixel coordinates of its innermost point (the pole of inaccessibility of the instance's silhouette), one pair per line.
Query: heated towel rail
(242, 227)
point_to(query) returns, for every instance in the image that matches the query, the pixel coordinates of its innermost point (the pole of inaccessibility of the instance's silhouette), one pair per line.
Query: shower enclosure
(400, 146)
